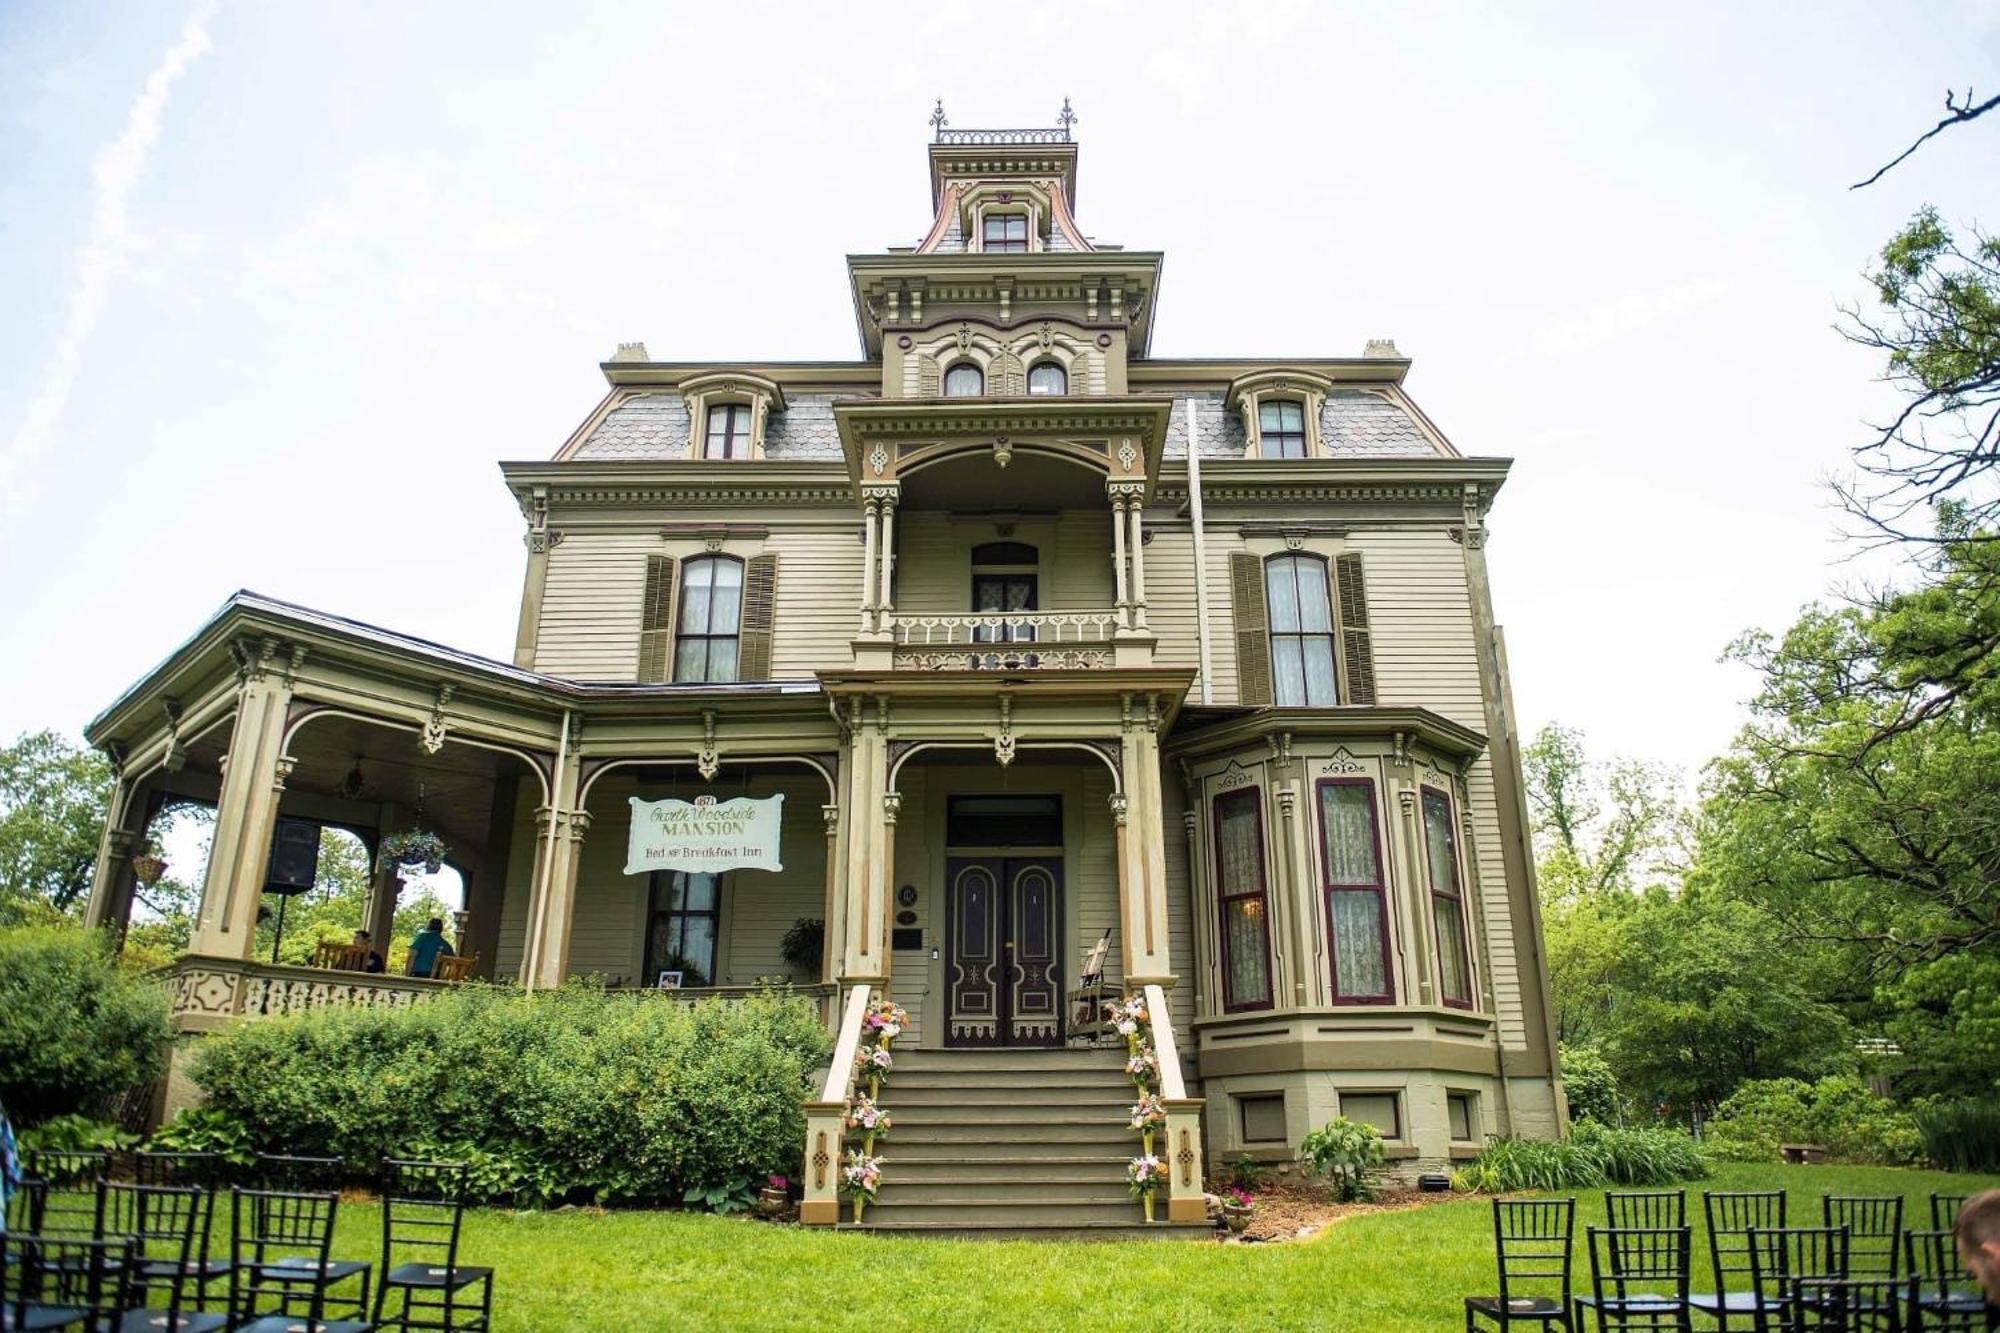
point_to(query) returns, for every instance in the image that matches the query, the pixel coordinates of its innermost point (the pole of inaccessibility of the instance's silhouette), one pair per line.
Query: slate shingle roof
(804, 429)
(1352, 424)
(655, 425)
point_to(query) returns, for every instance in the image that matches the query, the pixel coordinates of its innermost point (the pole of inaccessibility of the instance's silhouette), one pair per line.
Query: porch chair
(340, 957)
(1731, 1215)
(168, 1228)
(60, 1282)
(1088, 998)
(1638, 1279)
(1787, 1264)
(1850, 1305)
(1874, 1239)
(423, 1208)
(281, 1171)
(1939, 1296)
(1944, 1210)
(25, 1206)
(68, 1203)
(460, 967)
(1532, 1240)
(203, 1170)
(266, 1225)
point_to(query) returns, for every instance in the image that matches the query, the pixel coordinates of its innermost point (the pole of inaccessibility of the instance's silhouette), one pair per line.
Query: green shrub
(1589, 1085)
(570, 1094)
(1592, 1157)
(205, 1129)
(1838, 1112)
(1344, 1151)
(76, 1133)
(1962, 1135)
(77, 1033)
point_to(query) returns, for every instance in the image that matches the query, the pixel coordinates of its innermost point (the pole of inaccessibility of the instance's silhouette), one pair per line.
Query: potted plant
(411, 848)
(1237, 1205)
(803, 945)
(147, 864)
(771, 1199)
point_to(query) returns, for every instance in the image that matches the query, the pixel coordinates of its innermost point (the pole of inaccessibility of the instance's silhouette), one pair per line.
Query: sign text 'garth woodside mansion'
(1051, 651)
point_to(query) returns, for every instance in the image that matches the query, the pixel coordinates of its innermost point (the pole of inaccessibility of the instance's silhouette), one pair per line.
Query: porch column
(831, 952)
(1134, 504)
(253, 778)
(1118, 556)
(870, 507)
(560, 827)
(885, 601)
(865, 954)
(111, 878)
(1142, 836)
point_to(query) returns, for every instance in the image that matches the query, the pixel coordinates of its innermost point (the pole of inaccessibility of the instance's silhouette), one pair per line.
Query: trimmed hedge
(78, 1033)
(568, 1095)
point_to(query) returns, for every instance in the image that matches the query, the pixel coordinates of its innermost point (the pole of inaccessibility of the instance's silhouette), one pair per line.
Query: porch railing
(1005, 641)
(208, 991)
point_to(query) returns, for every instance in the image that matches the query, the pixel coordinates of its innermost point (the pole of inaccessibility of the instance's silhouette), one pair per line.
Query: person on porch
(371, 961)
(427, 946)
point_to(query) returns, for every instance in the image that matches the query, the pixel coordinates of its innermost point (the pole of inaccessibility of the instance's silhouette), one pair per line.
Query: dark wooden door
(1003, 971)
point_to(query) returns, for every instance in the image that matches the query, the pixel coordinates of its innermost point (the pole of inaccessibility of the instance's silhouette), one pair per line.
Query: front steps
(1012, 1144)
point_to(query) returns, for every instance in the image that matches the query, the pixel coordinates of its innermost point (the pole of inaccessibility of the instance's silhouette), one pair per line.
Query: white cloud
(114, 174)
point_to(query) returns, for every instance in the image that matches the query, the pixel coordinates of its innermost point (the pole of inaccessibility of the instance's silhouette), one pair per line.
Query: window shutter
(928, 385)
(656, 620)
(1253, 638)
(1008, 377)
(1357, 649)
(760, 587)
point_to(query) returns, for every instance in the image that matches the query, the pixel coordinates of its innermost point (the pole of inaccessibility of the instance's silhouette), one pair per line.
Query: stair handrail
(1173, 1086)
(840, 1076)
(1186, 1195)
(826, 1118)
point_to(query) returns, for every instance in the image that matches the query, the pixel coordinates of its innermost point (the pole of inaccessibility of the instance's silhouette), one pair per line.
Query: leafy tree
(52, 801)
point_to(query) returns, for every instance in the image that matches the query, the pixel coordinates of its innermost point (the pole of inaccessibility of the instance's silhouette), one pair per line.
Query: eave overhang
(1447, 482)
(1205, 731)
(1049, 277)
(1220, 372)
(904, 426)
(1003, 155)
(248, 617)
(693, 483)
(859, 376)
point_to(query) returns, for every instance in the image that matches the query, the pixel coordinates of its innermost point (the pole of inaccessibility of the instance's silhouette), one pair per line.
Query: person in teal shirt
(427, 946)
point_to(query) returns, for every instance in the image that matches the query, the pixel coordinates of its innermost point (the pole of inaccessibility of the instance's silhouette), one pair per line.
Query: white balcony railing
(1005, 641)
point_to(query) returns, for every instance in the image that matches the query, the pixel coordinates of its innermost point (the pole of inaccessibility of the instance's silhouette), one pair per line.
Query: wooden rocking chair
(1090, 996)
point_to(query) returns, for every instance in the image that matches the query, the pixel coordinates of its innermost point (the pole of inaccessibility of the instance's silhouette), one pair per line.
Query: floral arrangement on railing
(413, 847)
(861, 1173)
(1146, 1173)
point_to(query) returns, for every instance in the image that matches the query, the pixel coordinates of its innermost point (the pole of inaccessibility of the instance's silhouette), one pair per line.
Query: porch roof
(249, 614)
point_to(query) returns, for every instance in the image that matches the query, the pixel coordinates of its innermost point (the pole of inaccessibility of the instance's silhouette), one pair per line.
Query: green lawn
(1387, 1271)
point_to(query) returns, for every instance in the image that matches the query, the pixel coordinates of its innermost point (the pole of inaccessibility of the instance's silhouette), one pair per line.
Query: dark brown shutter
(928, 385)
(1357, 649)
(656, 619)
(760, 597)
(1253, 634)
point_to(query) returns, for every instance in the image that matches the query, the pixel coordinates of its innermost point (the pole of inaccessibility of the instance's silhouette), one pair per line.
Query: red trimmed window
(1245, 907)
(1447, 903)
(1357, 908)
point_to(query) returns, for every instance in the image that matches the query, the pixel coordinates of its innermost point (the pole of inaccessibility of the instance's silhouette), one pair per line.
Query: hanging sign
(705, 834)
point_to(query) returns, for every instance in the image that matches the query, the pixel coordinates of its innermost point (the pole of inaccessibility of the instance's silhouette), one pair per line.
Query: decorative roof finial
(1066, 119)
(938, 122)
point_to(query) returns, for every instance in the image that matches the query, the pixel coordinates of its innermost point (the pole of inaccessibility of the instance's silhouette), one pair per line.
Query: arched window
(710, 621)
(1047, 377)
(964, 380)
(1301, 615)
(1281, 429)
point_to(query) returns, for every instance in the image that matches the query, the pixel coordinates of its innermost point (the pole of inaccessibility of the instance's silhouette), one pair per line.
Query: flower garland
(861, 1173)
(1146, 1173)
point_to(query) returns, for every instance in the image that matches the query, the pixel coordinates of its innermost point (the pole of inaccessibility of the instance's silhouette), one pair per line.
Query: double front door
(1003, 970)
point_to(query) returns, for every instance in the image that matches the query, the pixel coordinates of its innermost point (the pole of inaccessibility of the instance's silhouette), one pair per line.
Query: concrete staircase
(1000, 1143)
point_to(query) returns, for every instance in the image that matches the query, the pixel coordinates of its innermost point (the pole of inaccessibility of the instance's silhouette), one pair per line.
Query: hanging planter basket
(417, 847)
(148, 868)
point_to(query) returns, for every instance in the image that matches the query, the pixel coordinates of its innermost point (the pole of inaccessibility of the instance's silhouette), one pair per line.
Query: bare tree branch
(1959, 115)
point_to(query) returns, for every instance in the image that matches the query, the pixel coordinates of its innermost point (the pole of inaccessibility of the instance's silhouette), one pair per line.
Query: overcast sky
(283, 282)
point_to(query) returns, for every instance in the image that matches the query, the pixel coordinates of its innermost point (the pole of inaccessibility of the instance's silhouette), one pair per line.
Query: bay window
(1357, 912)
(1447, 902)
(1244, 905)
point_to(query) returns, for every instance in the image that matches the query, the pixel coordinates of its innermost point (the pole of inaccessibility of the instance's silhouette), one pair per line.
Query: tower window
(964, 380)
(1005, 233)
(1281, 429)
(1046, 377)
(728, 433)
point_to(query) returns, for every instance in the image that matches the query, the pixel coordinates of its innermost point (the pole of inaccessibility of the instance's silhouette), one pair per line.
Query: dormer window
(1046, 377)
(1004, 233)
(728, 434)
(964, 380)
(1281, 428)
